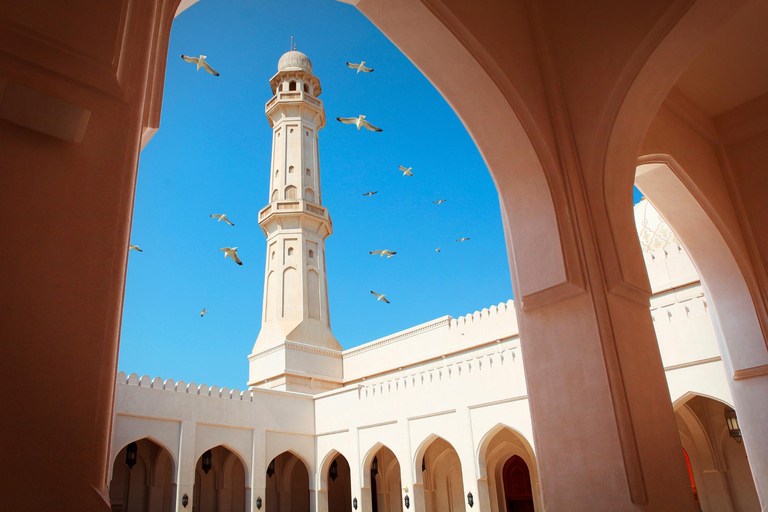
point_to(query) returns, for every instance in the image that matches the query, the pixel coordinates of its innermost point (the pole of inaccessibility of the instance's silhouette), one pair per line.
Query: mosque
(630, 374)
(435, 417)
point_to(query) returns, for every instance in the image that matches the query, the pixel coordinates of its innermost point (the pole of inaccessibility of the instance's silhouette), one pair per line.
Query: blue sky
(212, 155)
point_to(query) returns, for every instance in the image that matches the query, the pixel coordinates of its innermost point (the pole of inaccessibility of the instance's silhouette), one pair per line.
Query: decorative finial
(292, 45)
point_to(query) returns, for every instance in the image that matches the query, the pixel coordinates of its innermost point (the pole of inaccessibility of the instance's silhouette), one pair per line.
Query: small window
(309, 195)
(292, 86)
(311, 254)
(290, 251)
(290, 192)
(306, 88)
(281, 87)
(273, 254)
(307, 172)
(290, 170)
(274, 195)
(277, 171)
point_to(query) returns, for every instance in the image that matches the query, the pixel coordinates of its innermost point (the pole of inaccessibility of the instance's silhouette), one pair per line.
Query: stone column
(185, 472)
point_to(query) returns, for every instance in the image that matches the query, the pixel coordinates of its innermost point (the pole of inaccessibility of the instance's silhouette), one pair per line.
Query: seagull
(462, 239)
(200, 61)
(232, 253)
(383, 253)
(222, 217)
(358, 121)
(132, 247)
(203, 312)
(380, 297)
(437, 250)
(360, 67)
(439, 201)
(406, 172)
(371, 193)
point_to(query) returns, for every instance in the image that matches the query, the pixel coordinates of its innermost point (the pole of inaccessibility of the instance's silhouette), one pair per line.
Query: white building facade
(434, 418)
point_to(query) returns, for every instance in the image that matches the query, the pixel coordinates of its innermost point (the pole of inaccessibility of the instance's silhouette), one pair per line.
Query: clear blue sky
(212, 155)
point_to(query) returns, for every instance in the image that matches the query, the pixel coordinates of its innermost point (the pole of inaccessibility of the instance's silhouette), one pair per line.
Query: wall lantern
(733, 424)
(258, 503)
(131, 453)
(185, 500)
(354, 503)
(470, 500)
(333, 472)
(271, 469)
(375, 466)
(207, 461)
(407, 501)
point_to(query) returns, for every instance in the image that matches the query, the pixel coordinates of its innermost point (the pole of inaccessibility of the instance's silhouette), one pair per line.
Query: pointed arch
(485, 441)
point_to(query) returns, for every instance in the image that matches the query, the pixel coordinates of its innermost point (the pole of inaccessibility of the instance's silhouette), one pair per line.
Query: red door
(517, 486)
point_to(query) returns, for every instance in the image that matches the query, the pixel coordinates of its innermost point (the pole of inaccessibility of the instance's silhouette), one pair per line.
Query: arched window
(290, 192)
(309, 195)
(290, 169)
(306, 88)
(308, 172)
(292, 86)
(290, 251)
(274, 195)
(311, 254)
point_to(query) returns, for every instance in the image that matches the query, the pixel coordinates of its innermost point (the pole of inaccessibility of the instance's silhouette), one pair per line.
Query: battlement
(182, 387)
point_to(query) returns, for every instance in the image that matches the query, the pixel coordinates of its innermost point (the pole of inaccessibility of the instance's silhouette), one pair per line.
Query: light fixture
(131, 454)
(258, 503)
(354, 503)
(185, 500)
(470, 500)
(207, 461)
(733, 424)
(333, 472)
(407, 501)
(271, 469)
(375, 466)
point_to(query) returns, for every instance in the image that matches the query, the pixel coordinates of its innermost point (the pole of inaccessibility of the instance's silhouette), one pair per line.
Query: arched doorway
(335, 484)
(287, 484)
(142, 479)
(219, 482)
(382, 489)
(441, 477)
(518, 494)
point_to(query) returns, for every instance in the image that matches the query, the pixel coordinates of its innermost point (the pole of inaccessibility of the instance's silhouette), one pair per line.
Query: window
(311, 254)
(290, 192)
(290, 251)
(306, 88)
(274, 195)
(292, 86)
(309, 195)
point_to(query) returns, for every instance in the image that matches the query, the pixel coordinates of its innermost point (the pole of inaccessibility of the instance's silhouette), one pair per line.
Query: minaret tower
(295, 350)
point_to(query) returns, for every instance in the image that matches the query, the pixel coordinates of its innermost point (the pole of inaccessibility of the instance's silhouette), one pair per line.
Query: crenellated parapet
(182, 387)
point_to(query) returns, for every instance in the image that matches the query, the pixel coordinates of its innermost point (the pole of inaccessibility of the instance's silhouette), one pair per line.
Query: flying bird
(371, 193)
(232, 253)
(437, 250)
(406, 172)
(439, 201)
(203, 312)
(360, 67)
(380, 297)
(462, 239)
(383, 253)
(132, 247)
(222, 217)
(358, 121)
(200, 62)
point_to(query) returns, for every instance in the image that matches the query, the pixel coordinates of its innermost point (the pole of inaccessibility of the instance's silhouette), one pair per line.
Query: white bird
(232, 253)
(439, 201)
(380, 297)
(200, 62)
(406, 172)
(132, 247)
(383, 253)
(437, 250)
(203, 312)
(358, 121)
(462, 239)
(222, 217)
(360, 67)
(371, 193)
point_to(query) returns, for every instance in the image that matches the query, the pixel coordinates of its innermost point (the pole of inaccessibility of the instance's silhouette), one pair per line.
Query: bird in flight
(132, 247)
(203, 312)
(406, 172)
(200, 62)
(462, 239)
(359, 121)
(232, 253)
(371, 193)
(383, 253)
(380, 297)
(437, 250)
(360, 67)
(222, 217)
(439, 201)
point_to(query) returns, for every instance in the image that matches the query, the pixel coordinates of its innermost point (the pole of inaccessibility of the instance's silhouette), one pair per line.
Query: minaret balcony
(295, 213)
(292, 97)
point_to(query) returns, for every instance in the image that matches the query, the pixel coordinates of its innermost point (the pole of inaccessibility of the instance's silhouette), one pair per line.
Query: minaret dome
(294, 61)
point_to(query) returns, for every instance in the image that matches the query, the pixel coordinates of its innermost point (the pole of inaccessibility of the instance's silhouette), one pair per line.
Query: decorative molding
(394, 338)
(550, 295)
(343, 431)
(381, 424)
(497, 402)
(431, 415)
(749, 373)
(694, 363)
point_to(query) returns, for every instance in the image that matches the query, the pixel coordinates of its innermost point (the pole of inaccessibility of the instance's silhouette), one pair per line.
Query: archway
(287, 484)
(441, 476)
(382, 489)
(719, 468)
(335, 484)
(499, 479)
(220, 484)
(142, 479)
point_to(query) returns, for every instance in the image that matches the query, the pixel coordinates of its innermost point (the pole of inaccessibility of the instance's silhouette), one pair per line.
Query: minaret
(295, 350)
